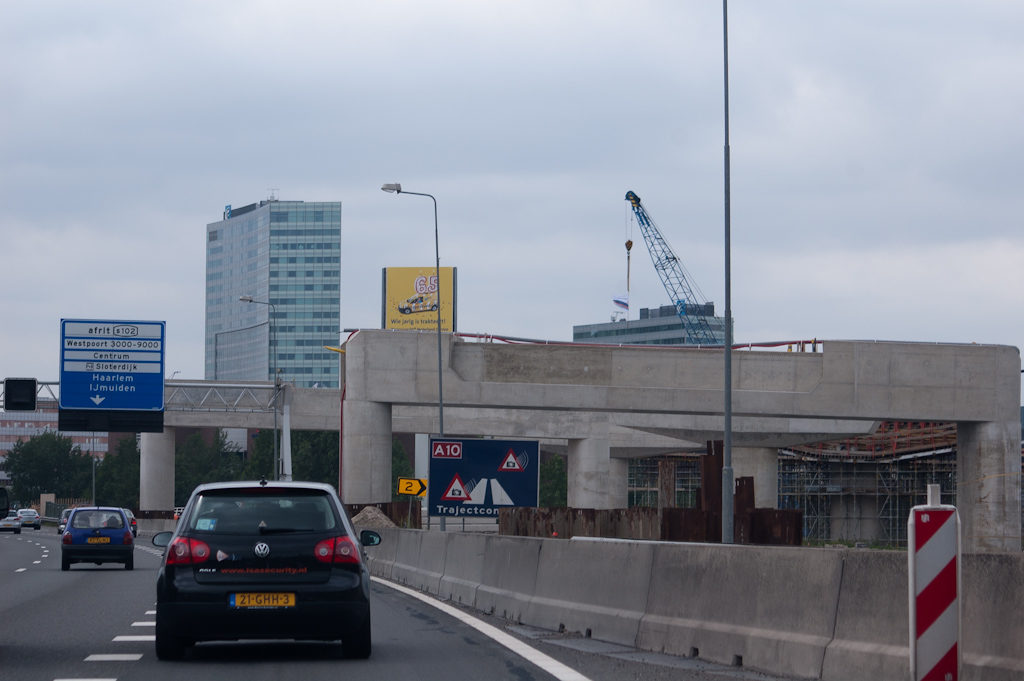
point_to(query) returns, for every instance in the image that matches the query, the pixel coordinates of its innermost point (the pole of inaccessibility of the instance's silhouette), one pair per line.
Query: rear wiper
(281, 530)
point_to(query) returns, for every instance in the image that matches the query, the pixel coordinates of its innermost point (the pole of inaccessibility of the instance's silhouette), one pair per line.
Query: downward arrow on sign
(97, 399)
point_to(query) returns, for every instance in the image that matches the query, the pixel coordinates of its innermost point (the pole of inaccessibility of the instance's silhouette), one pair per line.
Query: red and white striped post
(933, 554)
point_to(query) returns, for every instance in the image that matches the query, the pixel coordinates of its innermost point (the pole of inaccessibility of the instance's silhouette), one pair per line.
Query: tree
(261, 457)
(196, 462)
(554, 483)
(400, 468)
(117, 477)
(315, 456)
(48, 463)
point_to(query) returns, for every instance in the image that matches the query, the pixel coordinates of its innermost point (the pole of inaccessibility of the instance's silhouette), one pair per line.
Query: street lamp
(273, 333)
(728, 479)
(397, 189)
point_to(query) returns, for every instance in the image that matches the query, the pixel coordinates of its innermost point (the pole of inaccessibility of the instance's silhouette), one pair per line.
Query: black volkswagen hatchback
(263, 560)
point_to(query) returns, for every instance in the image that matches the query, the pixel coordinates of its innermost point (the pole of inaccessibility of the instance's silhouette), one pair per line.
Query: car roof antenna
(263, 481)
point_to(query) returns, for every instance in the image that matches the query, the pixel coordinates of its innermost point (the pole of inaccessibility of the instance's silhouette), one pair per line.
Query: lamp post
(273, 333)
(397, 189)
(727, 470)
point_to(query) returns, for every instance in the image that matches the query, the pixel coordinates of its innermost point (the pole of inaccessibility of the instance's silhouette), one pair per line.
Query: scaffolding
(867, 501)
(643, 481)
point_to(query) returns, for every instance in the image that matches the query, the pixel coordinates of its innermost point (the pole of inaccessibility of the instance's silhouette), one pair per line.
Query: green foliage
(261, 457)
(48, 463)
(400, 468)
(196, 463)
(554, 483)
(315, 456)
(117, 477)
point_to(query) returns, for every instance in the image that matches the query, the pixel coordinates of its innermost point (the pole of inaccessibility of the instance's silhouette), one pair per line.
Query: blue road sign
(111, 365)
(479, 477)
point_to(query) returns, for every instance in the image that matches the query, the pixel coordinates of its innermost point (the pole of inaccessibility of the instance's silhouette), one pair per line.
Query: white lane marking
(85, 680)
(143, 624)
(128, 639)
(114, 658)
(548, 664)
(151, 612)
(36, 562)
(21, 569)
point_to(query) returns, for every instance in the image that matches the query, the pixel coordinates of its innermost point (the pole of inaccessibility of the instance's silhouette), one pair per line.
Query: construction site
(857, 490)
(854, 491)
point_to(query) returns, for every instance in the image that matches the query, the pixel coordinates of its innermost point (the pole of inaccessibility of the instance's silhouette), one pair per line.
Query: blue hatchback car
(97, 534)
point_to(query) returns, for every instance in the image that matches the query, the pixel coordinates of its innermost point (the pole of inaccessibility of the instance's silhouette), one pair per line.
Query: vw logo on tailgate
(262, 550)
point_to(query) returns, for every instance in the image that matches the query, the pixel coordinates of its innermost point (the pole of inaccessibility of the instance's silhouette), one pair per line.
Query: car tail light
(127, 538)
(185, 551)
(337, 550)
(66, 538)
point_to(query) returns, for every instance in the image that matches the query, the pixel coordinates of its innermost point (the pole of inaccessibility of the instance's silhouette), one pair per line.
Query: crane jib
(692, 313)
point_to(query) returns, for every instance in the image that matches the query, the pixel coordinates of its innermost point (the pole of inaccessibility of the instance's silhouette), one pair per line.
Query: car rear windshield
(258, 511)
(91, 520)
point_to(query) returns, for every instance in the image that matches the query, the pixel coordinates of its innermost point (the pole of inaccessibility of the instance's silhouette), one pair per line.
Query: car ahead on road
(132, 522)
(63, 522)
(263, 560)
(97, 534)
(30, 516)
(12, 523)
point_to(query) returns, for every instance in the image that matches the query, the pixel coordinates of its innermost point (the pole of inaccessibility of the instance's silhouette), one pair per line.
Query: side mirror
(369, 538)
(162, 539)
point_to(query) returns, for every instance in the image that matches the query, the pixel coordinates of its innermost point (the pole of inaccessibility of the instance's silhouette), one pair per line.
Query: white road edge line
(548, 664)
(79, 679)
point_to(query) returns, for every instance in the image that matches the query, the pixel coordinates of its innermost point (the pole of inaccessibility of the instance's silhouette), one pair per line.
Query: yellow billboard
(411, 298)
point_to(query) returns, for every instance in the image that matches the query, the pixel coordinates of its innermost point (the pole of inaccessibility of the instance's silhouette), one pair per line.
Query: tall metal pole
(397, 188)
(437, 255)
(277, 383)
(727, 472)
(273, 340)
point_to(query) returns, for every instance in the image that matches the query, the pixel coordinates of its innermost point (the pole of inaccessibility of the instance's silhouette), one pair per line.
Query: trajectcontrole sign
(479, 477)
(111, 365)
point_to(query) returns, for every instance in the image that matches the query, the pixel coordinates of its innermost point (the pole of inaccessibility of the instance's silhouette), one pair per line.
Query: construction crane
(692, 313)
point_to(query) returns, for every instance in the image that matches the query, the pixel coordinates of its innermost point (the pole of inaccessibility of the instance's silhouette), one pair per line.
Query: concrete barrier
(596, 587)
(381, 558)
(419, 562)
(771, 608)
(837, 615)
(509, 575)
(993, 613)
(872, 630)
(464, 567)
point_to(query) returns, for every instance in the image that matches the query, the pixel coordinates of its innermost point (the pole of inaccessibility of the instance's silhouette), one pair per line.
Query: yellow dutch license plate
(263, 600)
(98, 540)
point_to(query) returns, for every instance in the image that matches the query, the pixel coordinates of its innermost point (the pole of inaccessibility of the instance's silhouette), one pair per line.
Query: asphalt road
(96, 622)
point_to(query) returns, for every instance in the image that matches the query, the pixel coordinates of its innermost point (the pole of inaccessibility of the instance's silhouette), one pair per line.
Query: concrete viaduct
(605, 404)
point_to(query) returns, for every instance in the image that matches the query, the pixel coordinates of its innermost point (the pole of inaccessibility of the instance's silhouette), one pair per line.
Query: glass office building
(287, 256)
(656, 326)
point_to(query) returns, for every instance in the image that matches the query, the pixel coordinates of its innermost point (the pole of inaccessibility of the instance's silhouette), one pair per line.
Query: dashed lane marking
(132, 639)
(143, 624)
(115, 657)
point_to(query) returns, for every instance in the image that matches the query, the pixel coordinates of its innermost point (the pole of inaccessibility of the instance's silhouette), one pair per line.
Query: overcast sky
(876, 148)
